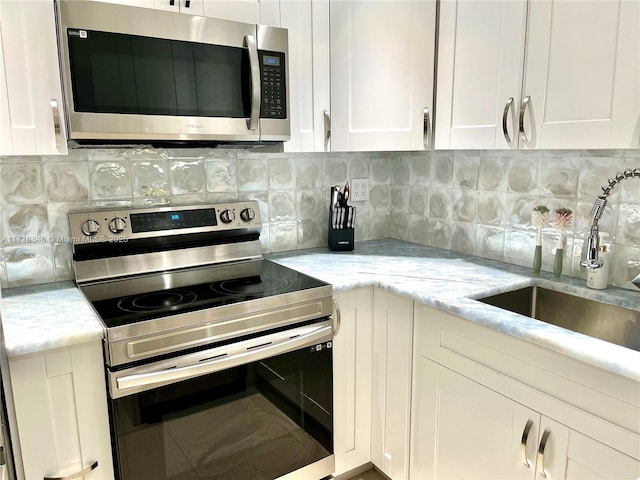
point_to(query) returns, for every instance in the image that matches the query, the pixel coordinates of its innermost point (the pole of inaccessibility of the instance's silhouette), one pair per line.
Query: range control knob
(117, 225)
(227, 216)
(247, 214)
(90, 227)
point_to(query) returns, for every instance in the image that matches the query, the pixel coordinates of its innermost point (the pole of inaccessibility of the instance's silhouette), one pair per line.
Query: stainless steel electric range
(218, 362)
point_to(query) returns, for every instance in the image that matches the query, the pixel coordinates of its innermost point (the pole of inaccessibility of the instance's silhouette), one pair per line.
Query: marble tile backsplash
(476, 202)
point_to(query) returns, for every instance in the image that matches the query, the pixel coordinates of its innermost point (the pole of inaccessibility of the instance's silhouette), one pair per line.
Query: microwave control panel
(274, 94)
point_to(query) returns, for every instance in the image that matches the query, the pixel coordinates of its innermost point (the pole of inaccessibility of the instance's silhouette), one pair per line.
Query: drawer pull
(541, 449)
(426, 128)
(82, 472)
(523, 110)
(523, 443)
(505, 117)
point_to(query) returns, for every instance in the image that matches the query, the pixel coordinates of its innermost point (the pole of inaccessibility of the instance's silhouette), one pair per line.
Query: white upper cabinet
(361, 73)
(191, 7)
(575, 85)
(247, 11)
(32, 107)
(582, 74)
(307, 23)
(480, 55)
(381, 74)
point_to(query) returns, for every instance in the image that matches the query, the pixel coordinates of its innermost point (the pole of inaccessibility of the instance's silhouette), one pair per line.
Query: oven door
(260, 410)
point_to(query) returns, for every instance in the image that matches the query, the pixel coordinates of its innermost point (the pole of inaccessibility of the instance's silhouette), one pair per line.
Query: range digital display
(158, 221)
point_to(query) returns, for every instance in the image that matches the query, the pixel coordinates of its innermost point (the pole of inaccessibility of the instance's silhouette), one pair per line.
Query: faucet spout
(593, 240)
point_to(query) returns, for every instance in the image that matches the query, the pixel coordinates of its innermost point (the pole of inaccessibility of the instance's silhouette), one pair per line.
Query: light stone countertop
(450, 282)
(42, 317)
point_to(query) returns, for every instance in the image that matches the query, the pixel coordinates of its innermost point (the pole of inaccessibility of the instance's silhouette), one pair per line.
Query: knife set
(342, 218)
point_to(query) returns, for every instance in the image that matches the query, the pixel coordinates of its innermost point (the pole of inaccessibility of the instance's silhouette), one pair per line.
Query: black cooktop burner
(249, 286)
(156, 300)
(274, 279)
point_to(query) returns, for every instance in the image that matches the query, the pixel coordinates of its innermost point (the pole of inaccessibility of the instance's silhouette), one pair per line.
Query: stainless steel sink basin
(596, 319)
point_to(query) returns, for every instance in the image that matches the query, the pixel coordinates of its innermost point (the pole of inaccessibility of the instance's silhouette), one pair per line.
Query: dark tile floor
(369, 475)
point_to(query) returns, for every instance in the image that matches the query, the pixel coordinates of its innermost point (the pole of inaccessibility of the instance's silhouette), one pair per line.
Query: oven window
(261, 420)
(118, 73)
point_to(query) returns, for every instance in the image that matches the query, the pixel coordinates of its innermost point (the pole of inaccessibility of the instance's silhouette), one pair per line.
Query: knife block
(341, 240)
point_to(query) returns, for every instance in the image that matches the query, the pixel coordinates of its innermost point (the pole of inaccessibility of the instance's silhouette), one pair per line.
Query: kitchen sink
(596, 319)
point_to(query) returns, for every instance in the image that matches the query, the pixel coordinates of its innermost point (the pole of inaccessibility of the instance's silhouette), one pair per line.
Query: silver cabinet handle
(523, 109)
(82, 472)
(57, 131)
(426, 128)
(327, 129)
(338, 318)
(523, 442)
(541, 448)
(250, 44)
(505, 116)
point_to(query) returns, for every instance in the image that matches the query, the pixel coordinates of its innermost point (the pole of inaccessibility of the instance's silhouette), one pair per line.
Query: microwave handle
(250, 43)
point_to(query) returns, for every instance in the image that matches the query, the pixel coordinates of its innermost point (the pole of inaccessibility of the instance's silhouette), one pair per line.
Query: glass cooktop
(273, 279)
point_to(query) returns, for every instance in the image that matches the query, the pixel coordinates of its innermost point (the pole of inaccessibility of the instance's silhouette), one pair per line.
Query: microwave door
(124, 82)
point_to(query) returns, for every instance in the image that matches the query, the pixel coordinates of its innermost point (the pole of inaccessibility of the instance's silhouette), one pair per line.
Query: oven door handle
(145, 381)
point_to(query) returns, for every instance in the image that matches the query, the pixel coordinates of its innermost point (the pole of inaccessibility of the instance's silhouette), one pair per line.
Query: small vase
(537, 259)
(557, 263)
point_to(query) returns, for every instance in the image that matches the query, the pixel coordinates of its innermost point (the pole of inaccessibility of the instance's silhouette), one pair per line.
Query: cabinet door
(307, 23)
(32, 78)
(61, 412)
(480, 55)
(352, 350)
(582, 74)
(6, 142)
(191, 7)
(570, 455)
(462, 430)
(247, 11)
(391, 383)
(381, 73)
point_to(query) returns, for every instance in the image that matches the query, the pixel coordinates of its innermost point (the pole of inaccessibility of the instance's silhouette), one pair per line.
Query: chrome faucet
(593, 242)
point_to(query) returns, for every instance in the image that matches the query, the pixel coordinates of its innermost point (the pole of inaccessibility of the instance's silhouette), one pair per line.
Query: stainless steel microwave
(134, 74)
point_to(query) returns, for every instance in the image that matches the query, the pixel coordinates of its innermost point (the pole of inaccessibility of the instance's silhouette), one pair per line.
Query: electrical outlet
(359, 189)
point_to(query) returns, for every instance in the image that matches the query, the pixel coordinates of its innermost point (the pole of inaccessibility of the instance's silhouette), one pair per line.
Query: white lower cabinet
(61, 411)
(497, 426)
(352, 348)
(391, 400)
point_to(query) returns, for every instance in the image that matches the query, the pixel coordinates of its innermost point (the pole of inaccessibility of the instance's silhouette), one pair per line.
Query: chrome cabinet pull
(338, 318)
(250, 44)
(426, 128)
(327, 129)
(505, 116)
(57, 131)
(523, 109)
(523, 441)
(541, 449)
(82, 472)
